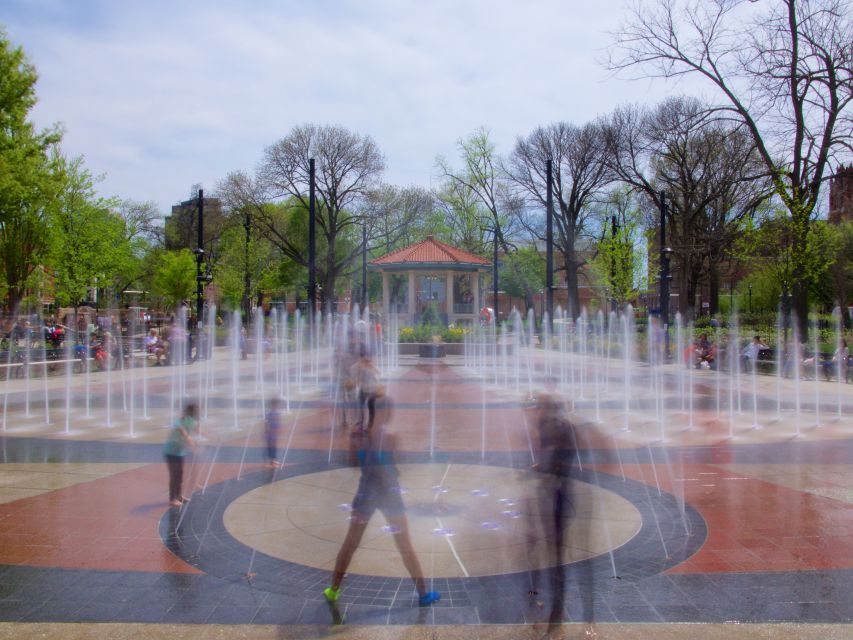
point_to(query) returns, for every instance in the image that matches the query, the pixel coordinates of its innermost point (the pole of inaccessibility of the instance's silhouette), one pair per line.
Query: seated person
(750, 353)
(838, 363)
(709, 358)
(155, 346)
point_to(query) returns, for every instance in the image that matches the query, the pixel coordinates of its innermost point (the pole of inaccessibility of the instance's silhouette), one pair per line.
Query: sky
(161, 95)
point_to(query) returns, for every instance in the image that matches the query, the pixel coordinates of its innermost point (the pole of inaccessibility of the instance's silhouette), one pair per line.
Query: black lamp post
(201, 278)
(494, 233)
(665, 254)
(364, 266)
(549, 243)
(749, 288)
(247, 275)
(312, 243)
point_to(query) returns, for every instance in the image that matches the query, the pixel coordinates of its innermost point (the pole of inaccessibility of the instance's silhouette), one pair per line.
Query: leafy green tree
(460, 219)
(618, 264)
(523, 273)
(480, 191)
(770, 247)
(840, 274)
(29, 178)
(239, 265)
(88, 239)
(174, 278)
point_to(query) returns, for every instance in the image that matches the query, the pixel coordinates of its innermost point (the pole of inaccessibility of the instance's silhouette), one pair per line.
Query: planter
(424, 349)
(431, 350)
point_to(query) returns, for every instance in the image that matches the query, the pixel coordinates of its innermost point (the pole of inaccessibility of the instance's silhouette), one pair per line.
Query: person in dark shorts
(179, 443)
(378, 489)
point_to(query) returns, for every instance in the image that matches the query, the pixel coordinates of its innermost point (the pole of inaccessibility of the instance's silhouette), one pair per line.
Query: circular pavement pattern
(233, 532)
(464, 520)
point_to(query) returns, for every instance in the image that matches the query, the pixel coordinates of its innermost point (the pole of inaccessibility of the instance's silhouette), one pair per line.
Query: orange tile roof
(430, 251)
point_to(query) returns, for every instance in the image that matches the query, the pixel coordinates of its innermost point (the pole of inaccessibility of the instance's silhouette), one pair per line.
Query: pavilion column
(411, 296)
(386, 296)
(475, 291)
(449, 295)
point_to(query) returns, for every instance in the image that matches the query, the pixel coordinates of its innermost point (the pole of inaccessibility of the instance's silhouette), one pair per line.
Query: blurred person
(106, 351)
(556, 451)
(272, 431)
(751, 352)
(365, 376)
(345, 358)
(155, 346)
(378, 489)
(179, 443)
(838, 362)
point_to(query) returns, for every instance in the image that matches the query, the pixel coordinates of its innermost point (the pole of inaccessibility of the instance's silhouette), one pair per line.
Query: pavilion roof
(430, 251)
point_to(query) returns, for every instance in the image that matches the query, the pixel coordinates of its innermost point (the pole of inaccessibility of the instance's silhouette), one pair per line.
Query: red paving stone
(753, 525)
(109, 523)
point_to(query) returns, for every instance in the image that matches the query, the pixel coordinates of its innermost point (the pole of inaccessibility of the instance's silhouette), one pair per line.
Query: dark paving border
(37, 594)
(15, 449)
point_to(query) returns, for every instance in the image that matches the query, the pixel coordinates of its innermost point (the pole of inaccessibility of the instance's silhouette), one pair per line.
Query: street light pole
(614, 232)
(200, 278)
(247, 278)
(364, 266)
(749, 288)
(312, 245)
(495, 274)
(664, 273)
(549, 243)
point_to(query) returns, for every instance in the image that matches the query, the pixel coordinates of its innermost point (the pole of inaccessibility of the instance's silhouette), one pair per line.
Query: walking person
(272, 430)
(344, 387)
(365, 376)
(556, 450)
(179, 444)
(378, 488)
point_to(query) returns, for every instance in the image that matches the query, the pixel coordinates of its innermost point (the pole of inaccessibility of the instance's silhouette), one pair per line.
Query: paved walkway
(737, 511)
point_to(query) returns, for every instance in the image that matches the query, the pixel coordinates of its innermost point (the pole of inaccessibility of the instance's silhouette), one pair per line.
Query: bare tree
(142, 221)
(784, 69)
(347, 165)
(580, 174)
(708, 168)
(395, 214)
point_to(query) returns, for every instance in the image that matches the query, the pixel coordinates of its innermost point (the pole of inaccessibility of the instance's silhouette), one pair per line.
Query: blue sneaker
(428, 598)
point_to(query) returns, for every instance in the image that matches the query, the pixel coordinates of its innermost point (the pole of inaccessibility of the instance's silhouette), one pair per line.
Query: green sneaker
(332, 594)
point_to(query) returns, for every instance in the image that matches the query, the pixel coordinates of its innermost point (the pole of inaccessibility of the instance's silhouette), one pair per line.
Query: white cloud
(162, 95)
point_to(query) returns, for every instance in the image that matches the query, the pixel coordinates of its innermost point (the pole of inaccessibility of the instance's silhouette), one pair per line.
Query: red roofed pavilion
(427, 273)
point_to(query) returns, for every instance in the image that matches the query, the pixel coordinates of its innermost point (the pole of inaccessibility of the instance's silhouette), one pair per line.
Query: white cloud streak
(160, 95)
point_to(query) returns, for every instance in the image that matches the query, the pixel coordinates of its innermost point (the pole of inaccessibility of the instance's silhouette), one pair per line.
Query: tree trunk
(529, 303)
(692, 285)
(574, 307)
(14, 295)
(683, 288)
(800, 301)
(799, 286)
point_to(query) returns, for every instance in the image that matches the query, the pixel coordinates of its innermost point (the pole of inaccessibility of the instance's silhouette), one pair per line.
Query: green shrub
(430, 317)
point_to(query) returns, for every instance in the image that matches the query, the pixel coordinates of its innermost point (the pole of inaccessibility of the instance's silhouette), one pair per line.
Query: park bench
(54, 359)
